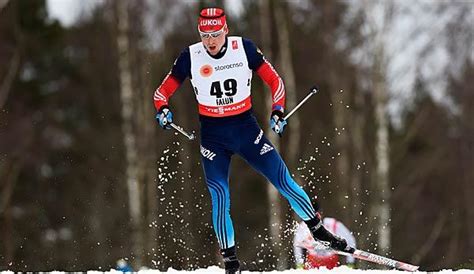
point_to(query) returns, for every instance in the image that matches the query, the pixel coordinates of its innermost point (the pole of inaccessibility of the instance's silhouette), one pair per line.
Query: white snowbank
(339, 270)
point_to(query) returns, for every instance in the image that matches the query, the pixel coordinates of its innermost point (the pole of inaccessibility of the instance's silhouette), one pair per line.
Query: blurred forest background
(387, 145)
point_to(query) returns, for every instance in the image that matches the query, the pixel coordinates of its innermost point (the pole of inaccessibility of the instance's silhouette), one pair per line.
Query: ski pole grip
(314, 89)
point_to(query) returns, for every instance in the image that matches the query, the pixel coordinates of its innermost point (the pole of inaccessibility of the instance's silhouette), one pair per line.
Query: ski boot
(231, 263)
(320, 233)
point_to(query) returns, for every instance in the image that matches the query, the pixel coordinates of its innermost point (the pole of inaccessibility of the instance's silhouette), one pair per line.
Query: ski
(370, 257)
(366, 256)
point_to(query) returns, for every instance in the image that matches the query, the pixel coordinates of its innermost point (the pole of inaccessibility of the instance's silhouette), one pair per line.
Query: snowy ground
(339, 270)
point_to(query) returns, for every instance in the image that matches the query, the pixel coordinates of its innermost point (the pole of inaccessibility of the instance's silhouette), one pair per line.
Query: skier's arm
(274, 81)
(180, 70)
(265, 70)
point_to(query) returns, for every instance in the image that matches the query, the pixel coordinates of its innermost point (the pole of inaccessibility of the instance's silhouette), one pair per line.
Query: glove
(164, 117)
(277, 123)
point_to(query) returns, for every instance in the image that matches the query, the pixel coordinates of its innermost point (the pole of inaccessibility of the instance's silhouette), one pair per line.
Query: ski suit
(222, 85)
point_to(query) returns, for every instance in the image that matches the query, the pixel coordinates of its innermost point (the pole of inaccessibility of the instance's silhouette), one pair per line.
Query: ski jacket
(222, 83)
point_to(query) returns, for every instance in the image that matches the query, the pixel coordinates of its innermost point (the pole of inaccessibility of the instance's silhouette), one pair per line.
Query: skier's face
(214, 41)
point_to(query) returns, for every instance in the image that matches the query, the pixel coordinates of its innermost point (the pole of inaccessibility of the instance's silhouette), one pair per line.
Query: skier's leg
(262, 156)
(259, 152)
(216, 162)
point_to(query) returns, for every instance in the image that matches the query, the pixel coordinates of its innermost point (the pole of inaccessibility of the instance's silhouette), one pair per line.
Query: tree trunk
(185, 148)
(7, 81)
(466, 153)
(288, 75)
(382, 202)
(129, 137)
(16, 60)
(9, 176)
(357, 136)
(146, 128)
(293, 150)
(275, 203)
(147, 166)
(339, 101)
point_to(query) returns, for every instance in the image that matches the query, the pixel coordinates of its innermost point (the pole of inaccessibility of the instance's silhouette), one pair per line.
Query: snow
(339, 270)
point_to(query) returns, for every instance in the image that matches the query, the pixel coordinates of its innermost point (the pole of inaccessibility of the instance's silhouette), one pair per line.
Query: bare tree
(13, 65)
(7, 81)
(9, 172)
(13, 162)
(129, 138)
(339, 82)
(288, 74)
(359, 151)
(378, 19)
(275, 203)
(380, 206)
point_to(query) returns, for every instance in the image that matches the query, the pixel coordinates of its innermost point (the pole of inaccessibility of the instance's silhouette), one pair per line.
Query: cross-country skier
(220, 68)
(309, 254)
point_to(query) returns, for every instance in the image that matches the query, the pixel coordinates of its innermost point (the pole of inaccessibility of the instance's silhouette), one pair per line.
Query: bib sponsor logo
(206, 71)
(229, 66)
(222, 110)
(206, 153)
(235, 45)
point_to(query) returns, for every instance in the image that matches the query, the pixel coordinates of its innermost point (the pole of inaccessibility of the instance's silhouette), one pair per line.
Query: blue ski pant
(223, 137)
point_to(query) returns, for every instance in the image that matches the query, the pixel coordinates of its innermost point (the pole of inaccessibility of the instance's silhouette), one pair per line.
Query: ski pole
(182, 131)
(312, 92)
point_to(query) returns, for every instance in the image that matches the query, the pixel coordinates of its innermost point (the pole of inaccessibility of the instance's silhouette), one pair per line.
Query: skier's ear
(226, 30)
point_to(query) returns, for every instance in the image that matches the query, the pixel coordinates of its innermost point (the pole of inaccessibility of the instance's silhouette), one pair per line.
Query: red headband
(211, 19)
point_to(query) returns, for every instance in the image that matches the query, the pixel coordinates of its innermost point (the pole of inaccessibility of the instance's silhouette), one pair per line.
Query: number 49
(230, 86)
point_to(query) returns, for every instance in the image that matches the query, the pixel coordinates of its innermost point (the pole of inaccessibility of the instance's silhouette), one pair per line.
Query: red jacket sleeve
(169, 85)
(274, 81)
(181, 70)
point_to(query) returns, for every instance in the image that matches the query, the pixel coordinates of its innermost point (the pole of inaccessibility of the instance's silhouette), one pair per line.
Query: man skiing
(220, 69)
